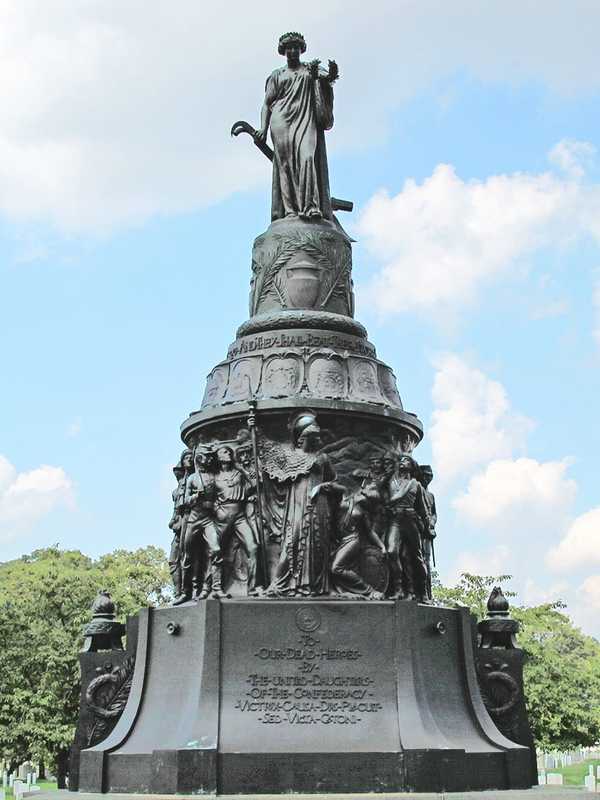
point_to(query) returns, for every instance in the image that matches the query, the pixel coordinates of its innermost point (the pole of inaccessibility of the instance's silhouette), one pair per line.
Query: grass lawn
(45, 786)
(574, 775)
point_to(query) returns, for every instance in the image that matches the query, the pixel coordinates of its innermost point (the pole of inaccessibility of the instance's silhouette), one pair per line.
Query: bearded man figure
(298, 109)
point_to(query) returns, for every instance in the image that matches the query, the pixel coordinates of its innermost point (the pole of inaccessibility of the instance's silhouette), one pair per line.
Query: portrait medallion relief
(363, 380)
(282, 377)
(387, 382)
(327, 377)
(244, 378)
(216, 384)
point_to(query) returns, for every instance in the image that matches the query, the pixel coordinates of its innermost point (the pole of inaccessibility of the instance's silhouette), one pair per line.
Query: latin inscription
(252, 344)
(315, 683)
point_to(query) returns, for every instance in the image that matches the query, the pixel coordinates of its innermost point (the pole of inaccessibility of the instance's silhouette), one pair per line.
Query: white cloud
(26, 497)
(440, 242)
(112, 111)
(580, 546)
(491, 561)
(525, 493)
(532, 594)
(572, 157)
(472, 421)
(590, 593)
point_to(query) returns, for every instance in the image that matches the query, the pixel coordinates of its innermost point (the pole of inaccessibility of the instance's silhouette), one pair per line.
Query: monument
(303, 651)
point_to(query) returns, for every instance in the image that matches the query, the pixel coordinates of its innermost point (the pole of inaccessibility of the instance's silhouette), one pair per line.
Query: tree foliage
(562, 664)
(45, 601)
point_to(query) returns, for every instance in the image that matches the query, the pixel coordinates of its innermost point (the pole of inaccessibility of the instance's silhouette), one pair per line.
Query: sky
(466, 134)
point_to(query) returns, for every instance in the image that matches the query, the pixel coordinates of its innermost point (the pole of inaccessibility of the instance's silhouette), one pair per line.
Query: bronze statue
(429, 534)
(233, 488)
(182, 470)
(199, 503)
(307, 518)
(408, 519)
(298, 109)
(355, 517)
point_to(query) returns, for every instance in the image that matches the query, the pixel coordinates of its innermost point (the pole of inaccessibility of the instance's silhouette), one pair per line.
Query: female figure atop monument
(298, 108)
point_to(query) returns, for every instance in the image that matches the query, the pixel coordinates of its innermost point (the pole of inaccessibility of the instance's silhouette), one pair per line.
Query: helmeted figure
(408, 518)
(199, 503)
(182, 470)
(298, 108)
(307, 515)
(425, 478)
(354, 522)
(232, 488)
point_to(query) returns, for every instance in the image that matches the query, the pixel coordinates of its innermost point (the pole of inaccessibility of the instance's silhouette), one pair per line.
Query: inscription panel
(307, 677)
(299, 338)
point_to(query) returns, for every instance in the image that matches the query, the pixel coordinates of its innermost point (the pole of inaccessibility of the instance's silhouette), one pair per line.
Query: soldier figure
(425, 478)
(233, 488)
(200, 495)
(182, 471)
(355, 517)
(408, 519)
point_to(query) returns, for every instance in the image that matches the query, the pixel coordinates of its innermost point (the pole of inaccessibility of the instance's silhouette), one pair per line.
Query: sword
(244, 127)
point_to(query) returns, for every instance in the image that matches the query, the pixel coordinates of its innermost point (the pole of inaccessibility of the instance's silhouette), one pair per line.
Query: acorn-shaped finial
(103, 605)
(497, 604)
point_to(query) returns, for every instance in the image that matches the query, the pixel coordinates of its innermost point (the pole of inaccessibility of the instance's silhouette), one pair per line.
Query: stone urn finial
(498, 629)
(103, 632)
(103, 606)
(497, 604)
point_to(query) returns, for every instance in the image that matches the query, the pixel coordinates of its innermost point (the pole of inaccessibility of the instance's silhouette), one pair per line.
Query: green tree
(562, 664)
(471, 591)
(45, 601)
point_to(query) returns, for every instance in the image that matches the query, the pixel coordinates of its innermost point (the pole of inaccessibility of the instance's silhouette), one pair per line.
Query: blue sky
(467, 137)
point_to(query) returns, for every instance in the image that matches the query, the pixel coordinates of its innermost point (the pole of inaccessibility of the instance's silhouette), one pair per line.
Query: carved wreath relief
(302, 513)
(106, 698)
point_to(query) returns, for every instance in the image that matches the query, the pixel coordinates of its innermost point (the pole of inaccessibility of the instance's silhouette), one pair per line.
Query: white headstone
(11, 779)
(554, 779)
(590, 783)
(542, 778)
(598, 771)
(18, 789)
(34, 778)
(4, 779)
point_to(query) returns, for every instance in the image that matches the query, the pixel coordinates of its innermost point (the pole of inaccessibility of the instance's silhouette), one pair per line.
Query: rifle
(259, 508)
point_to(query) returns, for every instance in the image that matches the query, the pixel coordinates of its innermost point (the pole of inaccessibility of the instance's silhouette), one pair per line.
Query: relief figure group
(301, 531)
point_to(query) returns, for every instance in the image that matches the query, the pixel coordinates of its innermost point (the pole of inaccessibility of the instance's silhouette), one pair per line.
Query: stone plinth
(304, 696)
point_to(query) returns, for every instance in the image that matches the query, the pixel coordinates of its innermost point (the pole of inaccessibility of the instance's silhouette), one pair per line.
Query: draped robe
(301, 110)
(306, 528)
